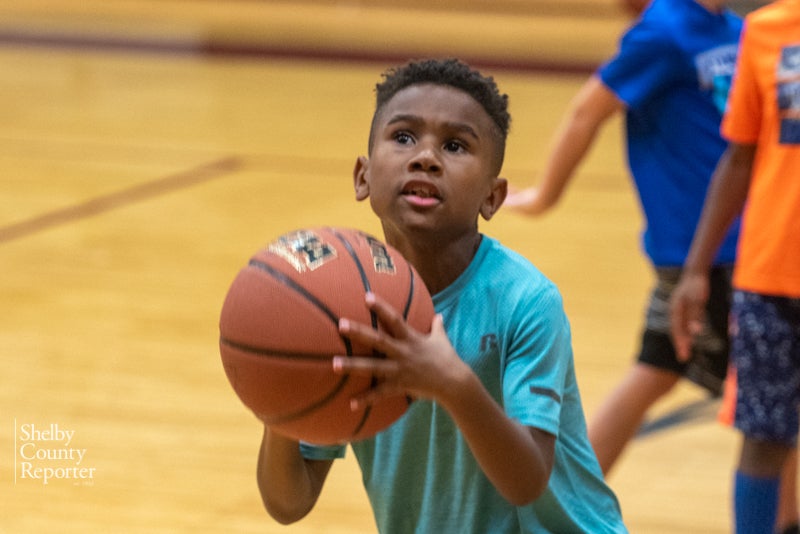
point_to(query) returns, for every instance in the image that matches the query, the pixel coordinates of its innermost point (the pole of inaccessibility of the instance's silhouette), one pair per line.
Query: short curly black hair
(450, 72)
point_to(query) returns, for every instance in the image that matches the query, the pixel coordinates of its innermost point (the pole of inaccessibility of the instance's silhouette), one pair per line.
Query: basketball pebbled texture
(279, 330)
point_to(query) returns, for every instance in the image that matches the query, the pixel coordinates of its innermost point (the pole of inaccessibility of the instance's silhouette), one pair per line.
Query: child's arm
(724, 202)
(289, 484)
(590, 109)
(517, 459)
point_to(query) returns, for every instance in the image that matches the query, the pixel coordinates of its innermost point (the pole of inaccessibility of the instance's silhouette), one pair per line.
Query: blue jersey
(506, 320)
(673, 70)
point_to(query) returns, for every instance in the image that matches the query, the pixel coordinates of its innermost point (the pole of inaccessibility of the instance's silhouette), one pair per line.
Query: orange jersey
(764, 109)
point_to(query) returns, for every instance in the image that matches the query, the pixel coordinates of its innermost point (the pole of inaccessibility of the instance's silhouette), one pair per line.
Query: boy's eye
(403, 138)
(454, 146)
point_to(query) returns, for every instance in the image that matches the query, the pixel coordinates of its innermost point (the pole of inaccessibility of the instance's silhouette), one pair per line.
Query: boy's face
(433, 163)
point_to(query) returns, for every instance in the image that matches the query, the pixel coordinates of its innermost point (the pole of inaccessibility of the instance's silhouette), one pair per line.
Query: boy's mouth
(421, 190)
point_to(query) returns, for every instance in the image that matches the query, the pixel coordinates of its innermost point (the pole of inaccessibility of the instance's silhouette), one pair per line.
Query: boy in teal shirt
(496, 439)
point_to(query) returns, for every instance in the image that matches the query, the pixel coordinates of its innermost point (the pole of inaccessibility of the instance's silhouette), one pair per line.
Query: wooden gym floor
(150, 147)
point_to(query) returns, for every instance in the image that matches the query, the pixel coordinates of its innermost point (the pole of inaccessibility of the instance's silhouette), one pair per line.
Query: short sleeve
(539, 358)
(643, 66)
(319, 452)
(742, 120)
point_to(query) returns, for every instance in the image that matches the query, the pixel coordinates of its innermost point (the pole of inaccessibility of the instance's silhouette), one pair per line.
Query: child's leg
(657, 368)
(621, 414)
(788, 515)
(756, 486)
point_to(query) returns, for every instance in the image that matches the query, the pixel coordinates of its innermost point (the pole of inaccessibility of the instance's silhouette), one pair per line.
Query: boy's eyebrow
(415, 119)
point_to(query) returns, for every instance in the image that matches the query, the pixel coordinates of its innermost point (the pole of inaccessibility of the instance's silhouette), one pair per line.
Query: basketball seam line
(285, 280)
(283, 354)
(373, 318)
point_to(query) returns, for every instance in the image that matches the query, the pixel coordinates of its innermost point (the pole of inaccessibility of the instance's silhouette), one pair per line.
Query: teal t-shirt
(506, 320)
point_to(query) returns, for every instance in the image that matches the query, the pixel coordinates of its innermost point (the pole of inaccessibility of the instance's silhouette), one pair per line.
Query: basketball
(279, 330)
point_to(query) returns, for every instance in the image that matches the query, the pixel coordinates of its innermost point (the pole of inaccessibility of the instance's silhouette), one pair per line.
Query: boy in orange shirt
(761, 169)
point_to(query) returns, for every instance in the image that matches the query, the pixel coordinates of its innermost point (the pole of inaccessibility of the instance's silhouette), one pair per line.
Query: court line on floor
(179, 46)
(701, 411)
(131, 195)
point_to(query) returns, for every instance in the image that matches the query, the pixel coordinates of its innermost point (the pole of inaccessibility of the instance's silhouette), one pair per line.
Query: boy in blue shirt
(670, 77)
(495, 440)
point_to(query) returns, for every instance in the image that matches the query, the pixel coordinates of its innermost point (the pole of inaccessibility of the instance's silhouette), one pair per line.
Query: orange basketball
(279, 330)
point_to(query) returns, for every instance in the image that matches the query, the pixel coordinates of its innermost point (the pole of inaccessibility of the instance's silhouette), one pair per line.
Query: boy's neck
(439, 265)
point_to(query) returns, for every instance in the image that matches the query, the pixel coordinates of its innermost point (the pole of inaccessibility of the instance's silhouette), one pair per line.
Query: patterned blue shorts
(765, 349)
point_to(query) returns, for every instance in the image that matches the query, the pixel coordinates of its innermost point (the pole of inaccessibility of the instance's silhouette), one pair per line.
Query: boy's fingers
(364, 366)
(680, 334)
(391, 321)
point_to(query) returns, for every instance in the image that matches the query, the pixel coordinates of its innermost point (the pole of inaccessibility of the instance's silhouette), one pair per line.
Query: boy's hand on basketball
(417, 364)
(687, 312)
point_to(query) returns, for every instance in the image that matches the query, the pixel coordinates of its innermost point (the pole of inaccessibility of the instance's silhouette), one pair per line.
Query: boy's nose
(425, 160)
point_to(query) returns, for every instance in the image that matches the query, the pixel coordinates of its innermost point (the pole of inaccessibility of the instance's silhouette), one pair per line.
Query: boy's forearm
(289, 485)
(507, 452)
(591, 108)
(572, 144)
(725, 201)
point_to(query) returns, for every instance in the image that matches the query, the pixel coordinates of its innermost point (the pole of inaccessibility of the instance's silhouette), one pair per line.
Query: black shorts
(708, 364)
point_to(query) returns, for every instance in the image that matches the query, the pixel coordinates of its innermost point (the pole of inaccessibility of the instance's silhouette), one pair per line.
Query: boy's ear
(360, 181)
(495, 199)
